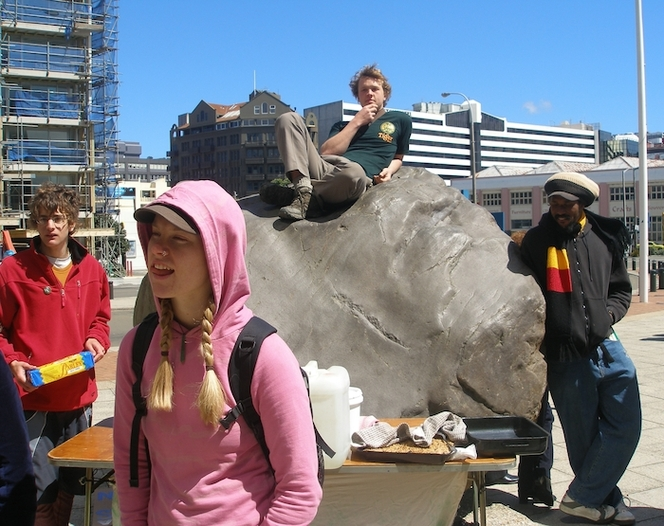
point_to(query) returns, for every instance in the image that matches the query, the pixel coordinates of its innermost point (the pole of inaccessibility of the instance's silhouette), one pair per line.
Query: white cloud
(543, 106)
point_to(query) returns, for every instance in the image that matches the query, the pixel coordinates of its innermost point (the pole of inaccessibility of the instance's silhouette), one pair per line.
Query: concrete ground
(641, 331)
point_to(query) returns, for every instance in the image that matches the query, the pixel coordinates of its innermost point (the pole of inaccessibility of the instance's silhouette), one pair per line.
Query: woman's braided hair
(211, 397)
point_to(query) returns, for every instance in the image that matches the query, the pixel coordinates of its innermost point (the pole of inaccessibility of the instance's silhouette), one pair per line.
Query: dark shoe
(540, 492)
(276, 194)
(499, 477)
(297, 210)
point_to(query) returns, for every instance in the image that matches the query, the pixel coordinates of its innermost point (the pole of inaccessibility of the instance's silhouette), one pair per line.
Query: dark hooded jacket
(578, 321)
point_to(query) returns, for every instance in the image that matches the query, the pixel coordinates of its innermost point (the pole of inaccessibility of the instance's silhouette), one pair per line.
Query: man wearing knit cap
(577, 259)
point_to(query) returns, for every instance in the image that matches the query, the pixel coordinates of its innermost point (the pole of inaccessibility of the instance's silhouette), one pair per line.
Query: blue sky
(531, 61)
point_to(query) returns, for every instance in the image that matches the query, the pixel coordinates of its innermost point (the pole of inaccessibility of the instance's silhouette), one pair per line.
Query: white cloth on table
(447, 424)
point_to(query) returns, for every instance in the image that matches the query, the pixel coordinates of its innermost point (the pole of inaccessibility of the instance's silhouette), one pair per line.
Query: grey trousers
(335, 179)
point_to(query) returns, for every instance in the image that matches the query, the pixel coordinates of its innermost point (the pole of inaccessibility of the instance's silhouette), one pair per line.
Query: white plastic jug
(355, 399)
(329, 400)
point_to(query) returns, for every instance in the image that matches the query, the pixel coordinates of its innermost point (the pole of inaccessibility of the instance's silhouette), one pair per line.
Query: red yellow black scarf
(558, 274)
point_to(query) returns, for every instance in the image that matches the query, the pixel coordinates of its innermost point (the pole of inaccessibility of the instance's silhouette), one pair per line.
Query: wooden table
(476, 469)
(93, 449)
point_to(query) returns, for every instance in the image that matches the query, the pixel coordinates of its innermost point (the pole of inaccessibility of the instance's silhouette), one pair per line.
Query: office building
(131, 166)
(233, 145)
(517, 200)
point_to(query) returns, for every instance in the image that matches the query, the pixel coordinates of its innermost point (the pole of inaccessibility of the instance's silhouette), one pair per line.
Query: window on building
(235, 139)
(521, 224)
(657, 192)
(257, 110)
(234, 124)
(185, 146)
(264, 107)
(254, 137)
(521, 198)
(273, 153)
(221, 141)
(491, 199)
(616, 193)
(273, 109)
(655, 228)
(254, 153)
(234, 155)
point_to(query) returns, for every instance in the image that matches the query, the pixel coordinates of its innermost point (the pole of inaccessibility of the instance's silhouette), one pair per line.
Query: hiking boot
(603, 514)
(276, 194)
(623, 516)
(297, 210)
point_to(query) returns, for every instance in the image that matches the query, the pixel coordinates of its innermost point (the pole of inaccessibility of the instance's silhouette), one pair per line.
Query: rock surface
(414, 290)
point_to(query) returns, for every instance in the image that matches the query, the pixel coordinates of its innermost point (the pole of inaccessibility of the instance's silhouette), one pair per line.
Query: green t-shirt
(375, 145)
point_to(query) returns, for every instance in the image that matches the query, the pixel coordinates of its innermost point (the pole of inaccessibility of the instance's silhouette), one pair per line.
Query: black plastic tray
(496, 436)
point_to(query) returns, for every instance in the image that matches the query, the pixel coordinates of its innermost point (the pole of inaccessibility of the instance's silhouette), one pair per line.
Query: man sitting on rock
(359, 153)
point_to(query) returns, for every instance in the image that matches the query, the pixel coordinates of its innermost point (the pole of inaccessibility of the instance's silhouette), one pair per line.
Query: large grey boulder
(414, 290)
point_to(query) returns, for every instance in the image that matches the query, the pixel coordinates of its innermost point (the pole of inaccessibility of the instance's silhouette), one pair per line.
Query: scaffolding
(59, 109)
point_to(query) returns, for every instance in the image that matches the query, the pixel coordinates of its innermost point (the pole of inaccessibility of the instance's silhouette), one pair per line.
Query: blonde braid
(211, 397)
(161, 393)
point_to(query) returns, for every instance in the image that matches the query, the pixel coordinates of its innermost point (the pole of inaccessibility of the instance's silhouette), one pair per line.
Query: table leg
(476, 499)
(481, 490)
(87, 517)
(479, 498)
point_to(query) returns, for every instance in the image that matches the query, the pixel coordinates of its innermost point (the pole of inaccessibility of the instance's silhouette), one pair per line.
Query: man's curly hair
(50, 198)
(373, 72)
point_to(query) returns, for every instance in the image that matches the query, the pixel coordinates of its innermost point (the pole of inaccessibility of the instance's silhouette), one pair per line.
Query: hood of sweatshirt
(222, 228)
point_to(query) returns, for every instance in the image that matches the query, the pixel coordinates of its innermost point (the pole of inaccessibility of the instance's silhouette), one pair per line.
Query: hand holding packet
(68, 366)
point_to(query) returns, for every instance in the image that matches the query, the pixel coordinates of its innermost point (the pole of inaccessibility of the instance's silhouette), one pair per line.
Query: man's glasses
(57, 220)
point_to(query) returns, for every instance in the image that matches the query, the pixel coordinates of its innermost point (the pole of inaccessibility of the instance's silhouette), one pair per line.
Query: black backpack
(240, 374)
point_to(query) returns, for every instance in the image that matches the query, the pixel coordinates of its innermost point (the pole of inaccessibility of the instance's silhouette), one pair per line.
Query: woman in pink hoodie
(194, 240)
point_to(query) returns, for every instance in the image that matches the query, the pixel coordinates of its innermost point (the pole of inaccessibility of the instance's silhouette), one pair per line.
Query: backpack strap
(321, 445)
(240, 375)
(139, 349)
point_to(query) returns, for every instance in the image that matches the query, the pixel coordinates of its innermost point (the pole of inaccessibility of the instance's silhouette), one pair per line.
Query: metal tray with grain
(505, 435)
(437, 453)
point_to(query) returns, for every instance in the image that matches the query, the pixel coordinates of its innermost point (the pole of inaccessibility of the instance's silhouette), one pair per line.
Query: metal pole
(643, 159)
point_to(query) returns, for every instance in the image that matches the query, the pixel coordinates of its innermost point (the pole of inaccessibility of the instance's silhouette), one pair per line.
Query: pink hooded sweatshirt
(204, 474)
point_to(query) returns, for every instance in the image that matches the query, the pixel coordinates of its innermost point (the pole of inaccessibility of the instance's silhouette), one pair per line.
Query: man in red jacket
(54, 302)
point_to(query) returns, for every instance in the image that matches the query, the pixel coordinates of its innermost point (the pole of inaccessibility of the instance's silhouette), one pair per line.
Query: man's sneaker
(276, 194)
(603, 514)
(624, 516)
(297, 210)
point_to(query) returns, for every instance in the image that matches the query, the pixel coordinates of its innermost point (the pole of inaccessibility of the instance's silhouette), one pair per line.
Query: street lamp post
(471, 131)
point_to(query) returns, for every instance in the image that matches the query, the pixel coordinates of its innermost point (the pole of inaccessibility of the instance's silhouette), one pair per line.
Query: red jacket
(43, 322)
